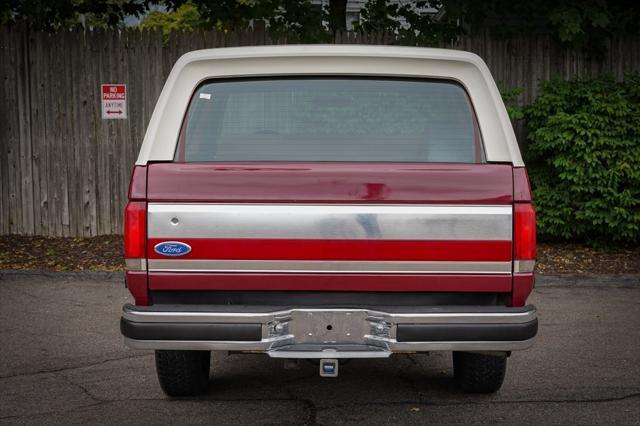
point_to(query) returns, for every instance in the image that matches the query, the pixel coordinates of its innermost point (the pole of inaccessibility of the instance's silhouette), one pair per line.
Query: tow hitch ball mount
(328, 368)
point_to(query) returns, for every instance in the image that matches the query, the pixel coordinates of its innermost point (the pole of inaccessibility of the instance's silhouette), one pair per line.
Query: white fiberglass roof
(195, 67)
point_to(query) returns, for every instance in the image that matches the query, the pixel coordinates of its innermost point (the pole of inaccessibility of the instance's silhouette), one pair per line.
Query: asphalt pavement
(62, 361)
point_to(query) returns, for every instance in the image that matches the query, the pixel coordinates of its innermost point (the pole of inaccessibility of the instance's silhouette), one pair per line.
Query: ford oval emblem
(172, 248)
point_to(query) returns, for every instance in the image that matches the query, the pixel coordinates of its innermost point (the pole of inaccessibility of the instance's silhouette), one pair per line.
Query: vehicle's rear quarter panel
(332, 227)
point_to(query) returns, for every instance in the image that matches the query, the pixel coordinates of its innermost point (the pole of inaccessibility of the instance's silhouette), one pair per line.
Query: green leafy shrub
(584, 159)
(510, 97)
(185, 18)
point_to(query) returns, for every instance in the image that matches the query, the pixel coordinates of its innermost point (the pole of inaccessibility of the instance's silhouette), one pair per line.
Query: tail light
(135, 234)
(524, 223)
(524, 237)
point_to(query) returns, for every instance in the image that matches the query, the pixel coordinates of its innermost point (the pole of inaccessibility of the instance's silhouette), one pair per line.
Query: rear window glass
(330, 119)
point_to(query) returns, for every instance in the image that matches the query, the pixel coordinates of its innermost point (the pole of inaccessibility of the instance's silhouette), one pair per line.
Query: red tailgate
(331, 226)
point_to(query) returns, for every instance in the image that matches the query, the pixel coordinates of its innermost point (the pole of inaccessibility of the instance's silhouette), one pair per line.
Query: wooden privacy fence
(64, 171)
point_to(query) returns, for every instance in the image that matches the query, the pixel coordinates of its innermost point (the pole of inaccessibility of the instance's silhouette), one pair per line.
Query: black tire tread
(183, 373)
(479, 373)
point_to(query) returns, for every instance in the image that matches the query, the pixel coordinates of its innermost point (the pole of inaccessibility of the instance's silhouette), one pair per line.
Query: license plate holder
(329, 326)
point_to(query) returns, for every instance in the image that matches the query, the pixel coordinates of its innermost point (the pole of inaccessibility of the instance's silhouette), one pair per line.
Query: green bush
(584, 159)
(510, 97)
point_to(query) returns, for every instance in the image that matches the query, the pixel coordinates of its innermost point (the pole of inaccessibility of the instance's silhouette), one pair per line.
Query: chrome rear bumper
(329, 332)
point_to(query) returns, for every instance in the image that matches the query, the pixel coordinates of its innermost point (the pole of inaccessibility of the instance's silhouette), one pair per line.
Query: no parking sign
(114, 101)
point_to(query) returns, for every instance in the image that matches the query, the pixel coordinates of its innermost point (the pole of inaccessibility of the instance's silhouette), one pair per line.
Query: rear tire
(183, 373)
(479, 373)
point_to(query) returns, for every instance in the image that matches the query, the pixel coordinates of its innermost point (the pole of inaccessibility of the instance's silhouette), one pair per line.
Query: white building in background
(354, 7)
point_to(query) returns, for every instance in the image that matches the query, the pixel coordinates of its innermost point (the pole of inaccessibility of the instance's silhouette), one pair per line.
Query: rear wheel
(183, 373)
(479, 373)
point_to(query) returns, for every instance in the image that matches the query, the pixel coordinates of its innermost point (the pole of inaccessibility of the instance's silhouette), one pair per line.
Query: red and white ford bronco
(329, 202)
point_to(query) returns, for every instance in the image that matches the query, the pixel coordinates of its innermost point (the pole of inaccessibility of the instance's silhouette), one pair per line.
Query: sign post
(114, 101)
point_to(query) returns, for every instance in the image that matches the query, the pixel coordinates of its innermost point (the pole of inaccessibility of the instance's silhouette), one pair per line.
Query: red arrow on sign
(114, 112)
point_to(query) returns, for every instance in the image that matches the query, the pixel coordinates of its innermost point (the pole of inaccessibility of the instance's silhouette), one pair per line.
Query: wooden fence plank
(7, 50)
(13, 139)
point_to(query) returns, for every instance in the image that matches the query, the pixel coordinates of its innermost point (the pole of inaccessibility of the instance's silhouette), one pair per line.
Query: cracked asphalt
(62, 361)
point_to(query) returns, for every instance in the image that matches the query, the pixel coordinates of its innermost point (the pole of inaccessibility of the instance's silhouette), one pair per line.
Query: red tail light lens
(135, 229)
(524, 235)
(524, 238)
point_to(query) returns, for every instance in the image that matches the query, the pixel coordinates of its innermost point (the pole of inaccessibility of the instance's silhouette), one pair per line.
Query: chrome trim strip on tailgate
(315, 266)
(329, 221)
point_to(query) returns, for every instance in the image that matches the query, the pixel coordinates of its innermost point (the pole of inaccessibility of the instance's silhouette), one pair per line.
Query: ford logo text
(172, 248)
